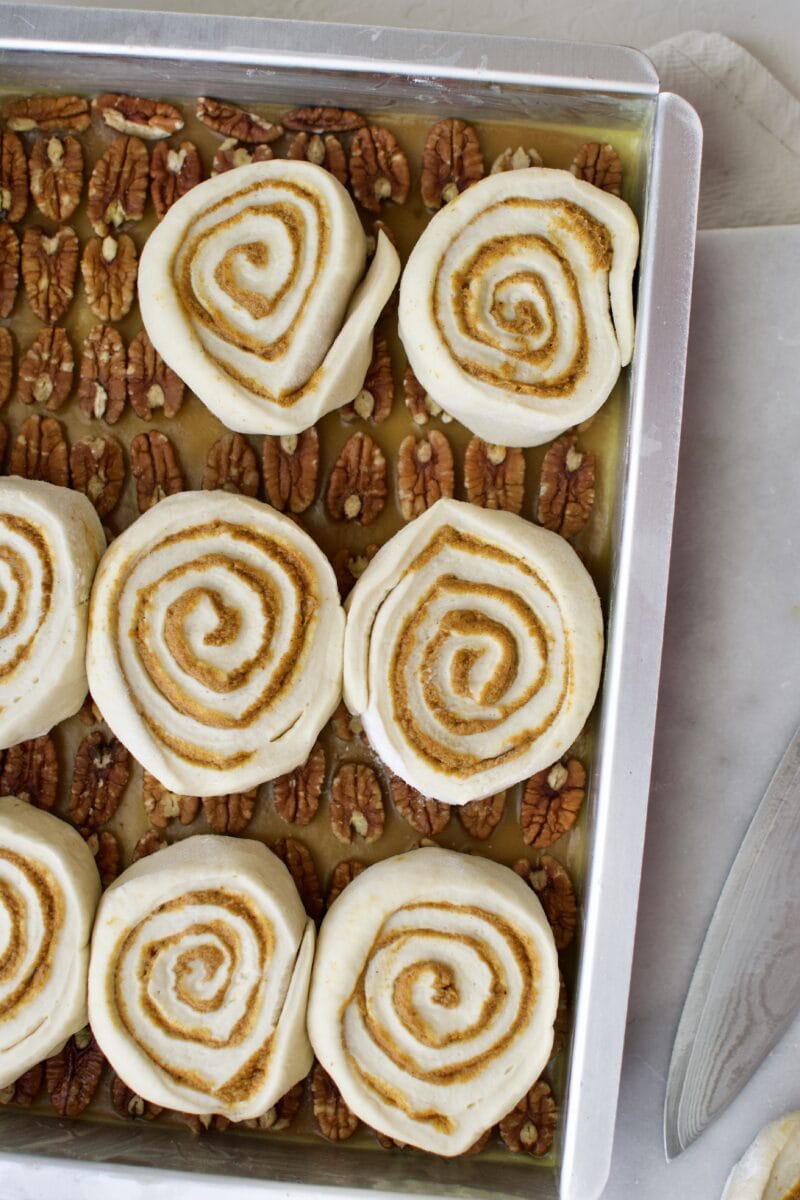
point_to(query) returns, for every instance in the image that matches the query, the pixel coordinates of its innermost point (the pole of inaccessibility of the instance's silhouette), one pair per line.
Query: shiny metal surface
(745, 990)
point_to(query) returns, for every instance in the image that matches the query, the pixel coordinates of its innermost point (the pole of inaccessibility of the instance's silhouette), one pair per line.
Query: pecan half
(6, 364)
(173, 173)
(105, 848)
(138, 115)
(49, 267)
(346, 726)
(349, 566)
(232, 466)
(118, 185)
(48, 113)
(9, 269)
(231, 813)
(531, 1124)
(480, 818)
(324, 151)
(554, 888)
(24, 1090)
(378, 168)
(163, 806)
(561, 1023)
(109, 267)
(566, 487)
(424, 473)
(3, 443)
(551, 802)
(101, 383)
(56, 170)
(428, 816)
(281, 1115)
(599, 164)
(235, 154)
(516, 160)
(13, 178)
(47, 368)
(97, 467)
(152, 385)
(148, 844)
(127, 1104)
(420, 405)
(30, 772)
(356, 804)
(73, 1075)
(323, 120)
(291, 468)
(357, 487)
(40, 451)
(296, 794)
(494, 476)
(233, 122)
(334, 1118)
(451, 161)
(99, 778)
(89, 713)
(343, 874)
(298, 861)
(155, 468)
(374, 401)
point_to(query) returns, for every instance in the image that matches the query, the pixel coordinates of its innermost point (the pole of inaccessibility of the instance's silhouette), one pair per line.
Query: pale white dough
(430, 627)
(251, 289)
(405, 931)
(495, 294)
(50, 542)
(770, 1167)
(50, 888)
(200, 966)
(215, 642)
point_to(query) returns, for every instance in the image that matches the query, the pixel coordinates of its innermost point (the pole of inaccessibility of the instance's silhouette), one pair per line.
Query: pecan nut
(101, 383)
(233, 122)
(346, 726)
(49, 267)
(118, 185)
(152, 385)
(13, 178)
(480, 818)
(9, 269)
(356, 804)
(357, 487)
(6, 364)
(47, 369)
(551, 801)
(334, 1118)
(451, 161)
(428, 816)
(40, 451)
(232, 154)
(127, 1104)
(48, 113)
(231, 813)
(374, 401)
(107, 855)
(281, 1115)
(232, 466)
(343, 874)
(566, 487)
(56, 170)
(298, 861)
(3, 442)
(99, 778)
(322, 150)
(599, 164)
(425, 473)
(554, 888)
(348, 566)
(378, 168)
(494, 476)
(561, 1023)
(291, 469)
(24, 1090)
(516, 160)
(296, 794)
(97, 468)
(420, 405)
(73, 1075)
(531, 1124)
(156, 469)
(163, 806)
(138, 115)
(323, 120)
(173, 173)
(30, 772)
(147, 844)
(109, 267)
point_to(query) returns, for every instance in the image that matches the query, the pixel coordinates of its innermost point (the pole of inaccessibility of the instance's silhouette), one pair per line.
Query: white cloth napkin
(751, 125)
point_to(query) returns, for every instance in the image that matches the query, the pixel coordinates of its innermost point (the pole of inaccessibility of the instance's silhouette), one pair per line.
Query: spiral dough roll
(251, 289)
(201, 959)
(473, 650)
(49, 888)
(433, 996)
(516, 307)
(215, 642)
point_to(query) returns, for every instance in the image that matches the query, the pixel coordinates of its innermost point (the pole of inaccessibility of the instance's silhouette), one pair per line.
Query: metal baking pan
(254, 60)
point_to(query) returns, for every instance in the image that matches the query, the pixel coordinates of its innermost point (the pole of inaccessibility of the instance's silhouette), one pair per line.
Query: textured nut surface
(56, 176)
(127, 1104)
(173, 173)
(232, 466)
(233, 122)
(334, 1118)
(163, 806)
(420, 405)
(48, 113)
(280, 1116)
(118, 185)
(298, 861)
(13, 178)
(73, 1075)
(357, 486)
(152, 385)
(235, 154)
(356, 804)
(3, 443)
(425, 473)
(296, 794)
(323, 120)
(109, 267)
(324, 150)
(138, 115)
(148, 844)
(451, 161)
(47, 369)
(347, 727)
(494, 476)
(49, 267)
(6, 364)
(554, 888)
(101, 382)
(480, 818)
(9, 268)
(378, 168)
(599, 164)
(516, 160)
(97, 467)
(30, 772)
(551, 801)
(350, 565)
(561, 1023)
(107, 854)
(566, 487)
(291, 470)
(428, 816)
(374, 401)
(156, 469)
(99, 778)
(40, 451)
(342, 874)
(231, 813)
(531, 1124)
(24, 1090)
